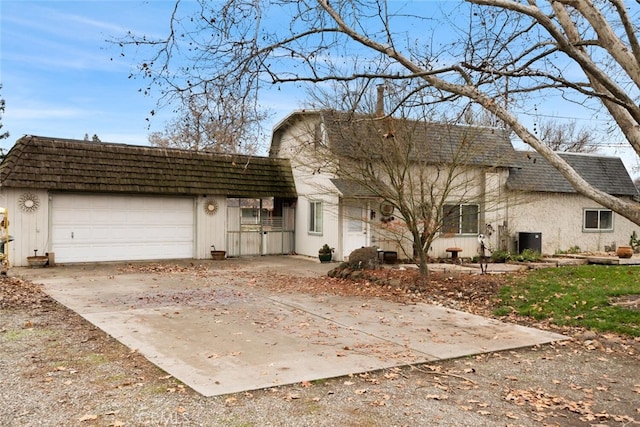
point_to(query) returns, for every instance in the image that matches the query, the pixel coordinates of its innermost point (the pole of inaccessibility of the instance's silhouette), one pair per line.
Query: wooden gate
(254, 229)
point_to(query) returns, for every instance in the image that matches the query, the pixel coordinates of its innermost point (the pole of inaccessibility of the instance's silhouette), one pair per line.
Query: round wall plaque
(386, 209)
(210, 207)
(28, 202)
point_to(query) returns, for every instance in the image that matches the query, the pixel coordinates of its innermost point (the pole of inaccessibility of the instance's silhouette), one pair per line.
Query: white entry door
(89, 228)
(354, 228)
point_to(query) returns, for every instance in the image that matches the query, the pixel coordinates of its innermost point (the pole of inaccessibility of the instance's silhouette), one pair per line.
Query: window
(598, 220)
(315, 217)
(460, 219)
(354, 219)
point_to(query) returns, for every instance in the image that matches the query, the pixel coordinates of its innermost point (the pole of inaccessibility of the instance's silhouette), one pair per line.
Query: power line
(558, 117)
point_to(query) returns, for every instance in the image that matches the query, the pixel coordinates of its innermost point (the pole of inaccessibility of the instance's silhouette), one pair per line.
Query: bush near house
(500, 256)
(527, 255)
(634, 242)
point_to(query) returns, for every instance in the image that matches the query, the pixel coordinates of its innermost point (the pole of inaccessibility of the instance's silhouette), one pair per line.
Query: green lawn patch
(577, 296)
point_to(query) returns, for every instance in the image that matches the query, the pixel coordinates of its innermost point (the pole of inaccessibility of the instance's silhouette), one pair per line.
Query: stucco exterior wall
(559, 217)
(464, 185)
(487, 189)
(503, 213)
(312, 184)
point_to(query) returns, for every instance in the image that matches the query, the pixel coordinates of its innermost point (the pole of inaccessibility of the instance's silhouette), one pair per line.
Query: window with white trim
(315, 217)
(598, 220)
(460, 219)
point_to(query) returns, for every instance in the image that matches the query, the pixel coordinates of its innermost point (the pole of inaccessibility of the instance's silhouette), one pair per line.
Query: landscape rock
(364, 259)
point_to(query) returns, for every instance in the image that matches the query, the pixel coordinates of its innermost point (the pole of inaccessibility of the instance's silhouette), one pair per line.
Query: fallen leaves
(88, 417)
(463, 385)
(179, 388)
(542, 401)
(162, 268)
(292, 396)
(436, 396)
(16, 293)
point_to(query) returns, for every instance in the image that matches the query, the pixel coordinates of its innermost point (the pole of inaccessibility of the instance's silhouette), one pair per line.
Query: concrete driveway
(214, 328)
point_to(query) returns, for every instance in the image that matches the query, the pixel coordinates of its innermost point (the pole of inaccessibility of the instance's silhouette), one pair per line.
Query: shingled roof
(72, 165)
(350, 188)
(358, 135)
(605, 173)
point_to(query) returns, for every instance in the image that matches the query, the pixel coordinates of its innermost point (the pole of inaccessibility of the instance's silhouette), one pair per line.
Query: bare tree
(566, 137)
(204, 124)
(95, 138)
(500, 56)
(481, 118)
(563, 136)
(3, 135)
(428, 172)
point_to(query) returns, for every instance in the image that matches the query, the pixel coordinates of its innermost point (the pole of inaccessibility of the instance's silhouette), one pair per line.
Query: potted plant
(37, 261)
(217, 255)
(325, 253)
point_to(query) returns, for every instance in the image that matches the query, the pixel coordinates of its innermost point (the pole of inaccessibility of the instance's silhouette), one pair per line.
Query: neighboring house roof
(355, 136)
(72, 165)
(605, 173)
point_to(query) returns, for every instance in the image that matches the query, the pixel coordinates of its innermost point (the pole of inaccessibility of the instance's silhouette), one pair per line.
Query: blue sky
(57, 74)
(60, 77)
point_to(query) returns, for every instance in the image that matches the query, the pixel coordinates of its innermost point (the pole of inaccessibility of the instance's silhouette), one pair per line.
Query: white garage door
(87, 228)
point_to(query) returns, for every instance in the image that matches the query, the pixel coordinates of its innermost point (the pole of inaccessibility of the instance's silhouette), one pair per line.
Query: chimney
(380, 101)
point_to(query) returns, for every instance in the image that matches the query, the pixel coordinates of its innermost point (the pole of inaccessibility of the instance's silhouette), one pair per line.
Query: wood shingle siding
(71, 165)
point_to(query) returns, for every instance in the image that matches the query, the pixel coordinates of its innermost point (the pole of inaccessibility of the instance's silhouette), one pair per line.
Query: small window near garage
(315, 217)
(598, 220)
(460, 219)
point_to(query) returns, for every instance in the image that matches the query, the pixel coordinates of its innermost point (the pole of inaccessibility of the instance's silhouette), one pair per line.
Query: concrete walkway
(215, 329)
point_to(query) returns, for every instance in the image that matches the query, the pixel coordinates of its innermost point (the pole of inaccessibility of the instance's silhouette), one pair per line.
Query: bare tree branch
(585, 51)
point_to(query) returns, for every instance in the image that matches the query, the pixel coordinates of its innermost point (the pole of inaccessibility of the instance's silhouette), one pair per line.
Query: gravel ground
(56, 369)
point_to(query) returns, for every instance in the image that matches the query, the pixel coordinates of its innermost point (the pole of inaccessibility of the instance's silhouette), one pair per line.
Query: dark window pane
(315, 217)
(450, 219)
(591, 220)
(606, 220)
(469, 219)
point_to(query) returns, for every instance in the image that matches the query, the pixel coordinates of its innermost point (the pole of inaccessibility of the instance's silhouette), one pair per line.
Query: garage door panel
(117, 228)
(129, 234)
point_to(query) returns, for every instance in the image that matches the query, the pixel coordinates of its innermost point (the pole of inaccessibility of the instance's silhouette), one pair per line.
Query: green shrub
(575, 249)
(634, 242)
(529, 255)
(500, 256)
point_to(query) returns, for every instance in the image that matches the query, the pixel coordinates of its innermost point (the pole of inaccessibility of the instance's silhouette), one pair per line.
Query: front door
(354, 228)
